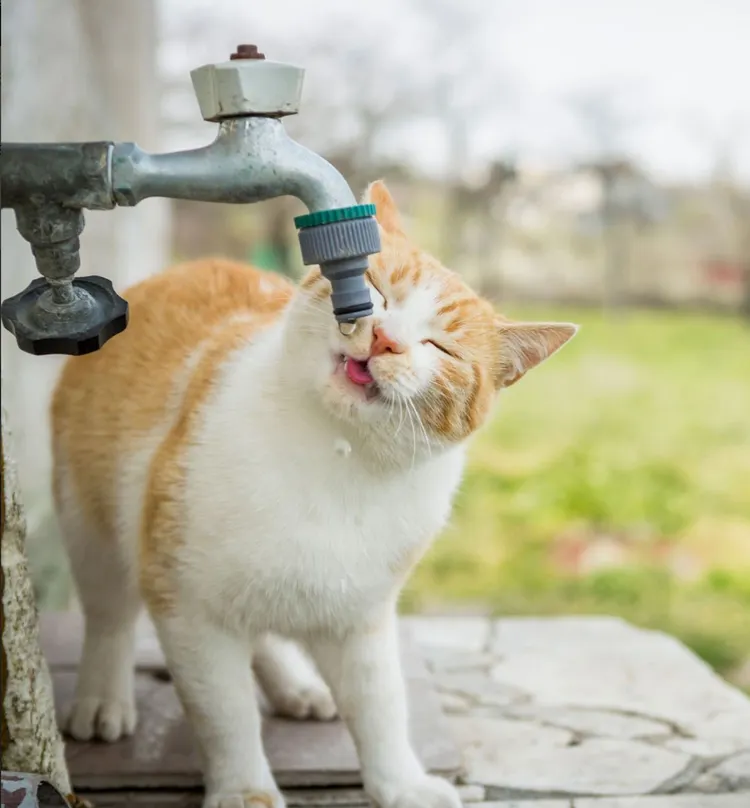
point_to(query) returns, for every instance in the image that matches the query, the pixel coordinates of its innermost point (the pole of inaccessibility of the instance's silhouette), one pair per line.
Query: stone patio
(586, 712)
(537, 713)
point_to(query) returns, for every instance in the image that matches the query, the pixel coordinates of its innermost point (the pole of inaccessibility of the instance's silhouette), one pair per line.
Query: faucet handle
(248, 84)
(88, 313)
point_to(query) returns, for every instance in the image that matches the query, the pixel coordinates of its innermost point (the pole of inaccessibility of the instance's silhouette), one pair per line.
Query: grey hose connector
(339, 241)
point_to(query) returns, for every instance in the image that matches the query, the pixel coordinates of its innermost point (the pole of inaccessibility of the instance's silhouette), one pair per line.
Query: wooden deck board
(161, 754)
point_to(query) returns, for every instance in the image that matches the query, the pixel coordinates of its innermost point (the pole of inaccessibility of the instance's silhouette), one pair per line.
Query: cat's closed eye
(440, 347)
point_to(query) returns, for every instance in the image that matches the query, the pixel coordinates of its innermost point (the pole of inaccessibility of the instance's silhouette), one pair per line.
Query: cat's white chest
(295, 533)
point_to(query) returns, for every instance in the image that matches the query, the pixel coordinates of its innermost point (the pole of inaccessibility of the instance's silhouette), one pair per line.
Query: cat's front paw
(314, 701)
(104, 718)
(245, 799)
(430, 792)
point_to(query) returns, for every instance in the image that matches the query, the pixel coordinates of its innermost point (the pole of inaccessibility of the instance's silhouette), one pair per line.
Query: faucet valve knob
(248, 84)
(74, 318)
(340, 240)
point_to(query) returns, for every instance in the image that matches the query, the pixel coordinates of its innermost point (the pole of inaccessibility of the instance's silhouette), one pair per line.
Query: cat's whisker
(391, 407)
(421, 426)
(401, 414)
(414, 436)
(392, 402)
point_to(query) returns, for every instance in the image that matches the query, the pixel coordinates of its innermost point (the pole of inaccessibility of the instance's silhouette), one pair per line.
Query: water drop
(342, 447)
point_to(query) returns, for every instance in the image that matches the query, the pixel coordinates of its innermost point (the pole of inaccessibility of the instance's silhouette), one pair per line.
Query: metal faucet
(251, 159)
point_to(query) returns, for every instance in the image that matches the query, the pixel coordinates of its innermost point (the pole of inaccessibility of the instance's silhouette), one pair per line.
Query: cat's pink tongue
(357, 372)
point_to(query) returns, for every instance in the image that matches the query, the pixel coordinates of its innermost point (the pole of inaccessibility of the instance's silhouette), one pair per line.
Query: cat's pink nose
(382, 343)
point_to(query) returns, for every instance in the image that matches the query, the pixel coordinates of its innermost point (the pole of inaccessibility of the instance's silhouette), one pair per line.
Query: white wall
(75, 70)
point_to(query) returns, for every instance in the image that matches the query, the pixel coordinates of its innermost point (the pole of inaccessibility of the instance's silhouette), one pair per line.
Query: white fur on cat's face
(398, 379)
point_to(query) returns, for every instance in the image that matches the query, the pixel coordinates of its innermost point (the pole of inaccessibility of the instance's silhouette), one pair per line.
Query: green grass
(637, 436)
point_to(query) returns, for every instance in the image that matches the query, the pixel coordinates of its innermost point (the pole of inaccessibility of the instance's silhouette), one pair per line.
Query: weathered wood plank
(162, 754)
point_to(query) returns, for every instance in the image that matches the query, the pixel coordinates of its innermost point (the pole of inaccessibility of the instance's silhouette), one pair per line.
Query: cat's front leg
(211, 672)
(364, 672)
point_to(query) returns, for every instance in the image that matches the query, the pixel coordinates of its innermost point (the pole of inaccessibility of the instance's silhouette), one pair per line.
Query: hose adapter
(339, 240)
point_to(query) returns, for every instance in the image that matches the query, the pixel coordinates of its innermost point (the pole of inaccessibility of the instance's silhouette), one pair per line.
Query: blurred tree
(484, 204)
(606, 122)
(733, 197)
(729, 194)
(461, 93)
(359, 94)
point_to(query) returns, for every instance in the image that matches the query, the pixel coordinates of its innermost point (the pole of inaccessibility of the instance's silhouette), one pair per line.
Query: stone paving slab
(519, 756)
(665, 801)
(583, 707)
(606, 663)
(524, 804)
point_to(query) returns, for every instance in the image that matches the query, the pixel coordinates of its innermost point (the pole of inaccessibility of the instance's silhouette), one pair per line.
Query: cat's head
(425, 368)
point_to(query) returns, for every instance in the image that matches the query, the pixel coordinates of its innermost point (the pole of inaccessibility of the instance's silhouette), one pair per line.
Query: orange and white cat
(265, 484)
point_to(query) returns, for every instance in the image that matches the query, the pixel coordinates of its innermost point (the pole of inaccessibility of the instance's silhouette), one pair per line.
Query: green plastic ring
(334, 215)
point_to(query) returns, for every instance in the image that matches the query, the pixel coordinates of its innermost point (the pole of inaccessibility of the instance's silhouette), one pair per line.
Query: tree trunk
(740, 202)
(616, 233)
(31, 741)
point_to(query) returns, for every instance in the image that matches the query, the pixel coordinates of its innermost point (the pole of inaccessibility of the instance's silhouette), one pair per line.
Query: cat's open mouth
(358, 374)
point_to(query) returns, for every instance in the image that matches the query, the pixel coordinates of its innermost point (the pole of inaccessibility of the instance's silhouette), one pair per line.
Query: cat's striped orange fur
(126, 389)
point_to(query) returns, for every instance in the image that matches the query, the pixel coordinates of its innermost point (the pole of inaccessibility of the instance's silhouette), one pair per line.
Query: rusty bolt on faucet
(247, 52)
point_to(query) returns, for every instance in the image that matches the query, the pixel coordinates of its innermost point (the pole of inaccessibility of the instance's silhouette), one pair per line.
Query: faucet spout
(252, 159)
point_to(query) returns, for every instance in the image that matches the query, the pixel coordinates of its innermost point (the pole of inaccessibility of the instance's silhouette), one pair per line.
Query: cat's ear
(523, 346)
(386, 211)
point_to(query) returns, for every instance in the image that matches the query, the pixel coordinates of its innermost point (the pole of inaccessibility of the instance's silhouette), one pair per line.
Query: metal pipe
(74, 175)
(251, 160)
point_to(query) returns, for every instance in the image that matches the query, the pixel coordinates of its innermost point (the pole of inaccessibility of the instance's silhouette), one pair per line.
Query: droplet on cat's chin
(347, 329)
(342, 447)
